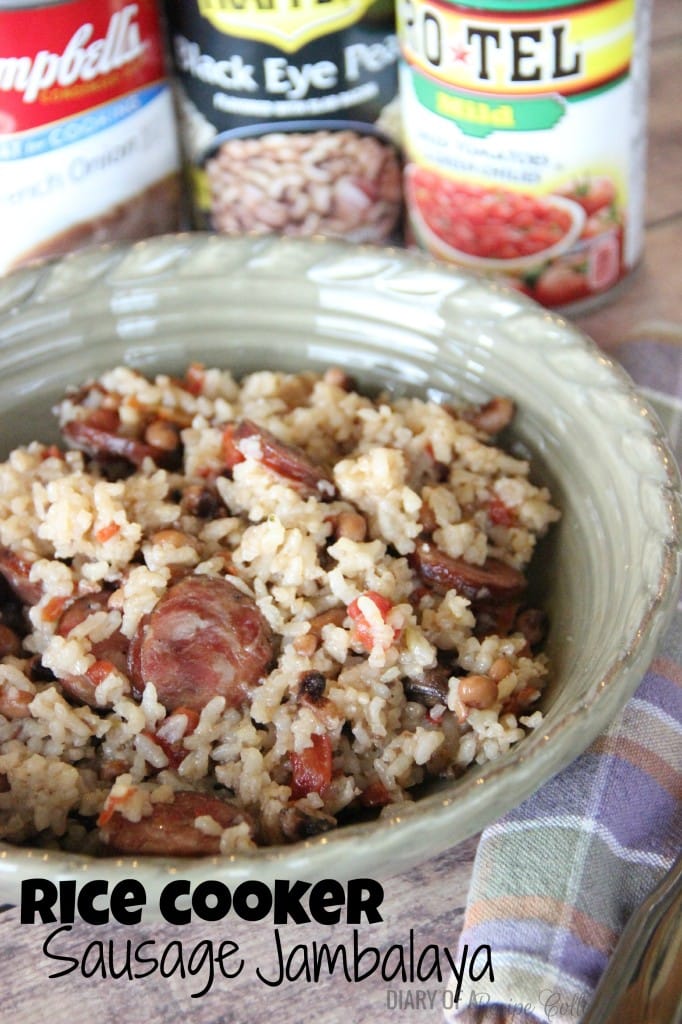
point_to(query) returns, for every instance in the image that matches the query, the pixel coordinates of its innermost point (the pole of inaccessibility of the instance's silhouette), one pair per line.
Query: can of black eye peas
(525, 139)
(88, 141)
(288, 116)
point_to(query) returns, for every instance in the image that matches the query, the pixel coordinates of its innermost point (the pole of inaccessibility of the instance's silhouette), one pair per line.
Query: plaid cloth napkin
(556, 880)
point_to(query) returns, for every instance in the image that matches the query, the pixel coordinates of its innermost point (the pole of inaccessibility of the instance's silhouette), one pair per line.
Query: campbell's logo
(286, 24)
(83, 59)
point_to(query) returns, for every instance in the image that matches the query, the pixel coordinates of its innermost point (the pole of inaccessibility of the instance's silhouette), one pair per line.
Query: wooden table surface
(652, 299)
(429, 900)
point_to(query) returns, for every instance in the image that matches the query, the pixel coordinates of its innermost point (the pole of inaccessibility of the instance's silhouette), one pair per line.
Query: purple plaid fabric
(556, 880)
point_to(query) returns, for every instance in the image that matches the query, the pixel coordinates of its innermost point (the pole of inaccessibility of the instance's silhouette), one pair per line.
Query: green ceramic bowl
(610, 574)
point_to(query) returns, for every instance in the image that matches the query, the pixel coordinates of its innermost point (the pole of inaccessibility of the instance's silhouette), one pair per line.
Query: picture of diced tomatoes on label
(599, 199)
(605, 220)
(560, 247)
(604, 262)
(561, 283)
(592, 193)
(490, 223)
(595, 263)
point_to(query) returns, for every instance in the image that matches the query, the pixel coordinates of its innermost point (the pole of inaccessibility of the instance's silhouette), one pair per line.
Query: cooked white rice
(403, 470)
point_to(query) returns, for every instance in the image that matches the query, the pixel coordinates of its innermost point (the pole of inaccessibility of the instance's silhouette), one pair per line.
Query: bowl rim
(385, 846)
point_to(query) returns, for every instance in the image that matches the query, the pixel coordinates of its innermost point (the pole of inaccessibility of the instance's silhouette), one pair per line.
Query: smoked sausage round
(494, 581)
(169, 831)
(203, 639)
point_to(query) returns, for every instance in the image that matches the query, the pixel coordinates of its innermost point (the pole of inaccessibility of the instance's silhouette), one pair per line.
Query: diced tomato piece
(111, 806)
(51, 452)
(99, 670)
(311, 770)
(383, 604)
(107, 532)
(375, 795)
(501, 514)
(362, 628)
(194, 378)
(53, 609)
(174, 749)
(491, 223)
(192, 717)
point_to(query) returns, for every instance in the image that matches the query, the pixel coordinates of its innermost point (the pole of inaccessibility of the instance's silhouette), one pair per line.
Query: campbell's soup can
(525, 139)
(88, 141)
(289, 116)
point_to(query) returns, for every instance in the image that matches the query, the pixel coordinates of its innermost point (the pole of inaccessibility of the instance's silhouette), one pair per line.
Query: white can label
(88, 146)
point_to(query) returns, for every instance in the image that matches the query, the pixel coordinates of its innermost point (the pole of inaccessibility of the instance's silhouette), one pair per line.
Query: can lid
(520, 5)
(15, 5)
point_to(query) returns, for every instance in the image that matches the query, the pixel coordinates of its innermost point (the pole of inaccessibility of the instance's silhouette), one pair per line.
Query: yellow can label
(286, 24)
(524, 132)
(523, 54)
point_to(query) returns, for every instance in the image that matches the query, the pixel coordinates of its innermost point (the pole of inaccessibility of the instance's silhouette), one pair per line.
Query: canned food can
(525, 139)
(88, 141)
(288, 116)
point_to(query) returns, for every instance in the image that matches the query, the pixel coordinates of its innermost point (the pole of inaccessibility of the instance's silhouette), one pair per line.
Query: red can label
(87, 132)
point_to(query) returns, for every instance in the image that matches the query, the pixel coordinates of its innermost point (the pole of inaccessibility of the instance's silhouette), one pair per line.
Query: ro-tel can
(88, 140)
(288, 113)
(525, 137)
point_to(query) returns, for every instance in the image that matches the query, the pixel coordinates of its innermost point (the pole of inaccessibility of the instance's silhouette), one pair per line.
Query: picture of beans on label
(303, 179)
(289, 117)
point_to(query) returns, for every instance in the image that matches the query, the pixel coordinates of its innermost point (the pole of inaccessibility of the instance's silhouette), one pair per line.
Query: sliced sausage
(287, 460)
(10, 642)
(431, 688)
(296, 823)
(11, 609)
(16, 571)
(203, 639)
(494, 581)
(80, 689)
(112, 651)
(83, 689)
(170, 830)
(495, 619)
(14, 702)
(533, 623)
(491, 417)
(307, 643)
(79, 609)
(113, 648)
(98, 436)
